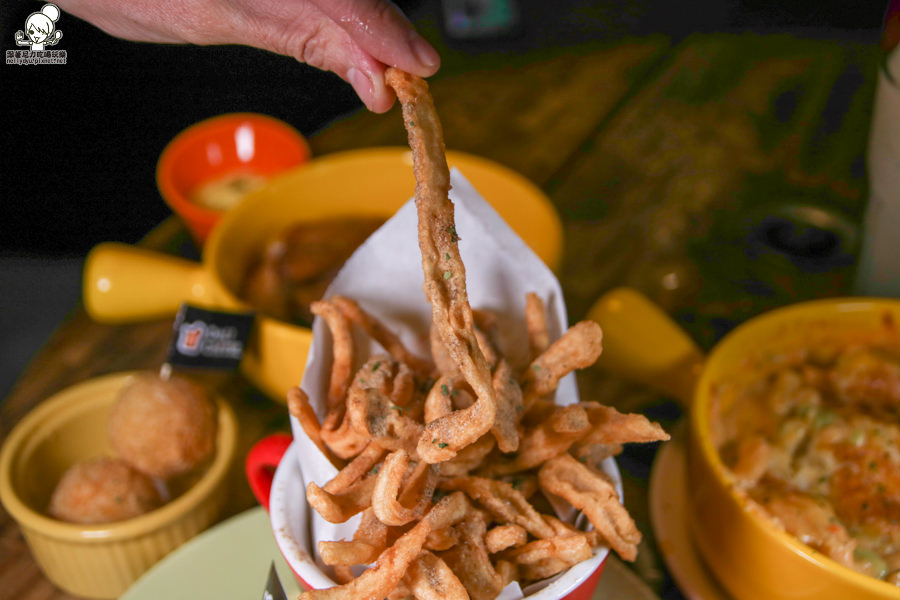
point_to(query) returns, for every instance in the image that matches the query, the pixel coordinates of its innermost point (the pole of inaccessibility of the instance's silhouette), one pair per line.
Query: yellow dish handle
(643, 344)
(124, 283)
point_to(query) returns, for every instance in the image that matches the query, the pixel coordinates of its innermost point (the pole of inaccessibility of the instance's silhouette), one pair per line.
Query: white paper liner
(385, 277)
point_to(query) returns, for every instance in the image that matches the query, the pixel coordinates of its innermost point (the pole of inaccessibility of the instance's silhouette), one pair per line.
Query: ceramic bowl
(284, 496)
(238, 143)
(747, 553)
(98, 561)
(123, 283)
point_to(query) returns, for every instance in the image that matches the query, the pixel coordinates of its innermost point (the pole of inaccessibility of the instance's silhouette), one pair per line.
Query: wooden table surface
(691, 171)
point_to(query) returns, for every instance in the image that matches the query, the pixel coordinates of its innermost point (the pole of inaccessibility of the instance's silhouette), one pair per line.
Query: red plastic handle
(261, 462)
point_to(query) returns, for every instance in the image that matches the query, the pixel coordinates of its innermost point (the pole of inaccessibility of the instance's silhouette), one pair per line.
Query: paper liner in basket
(385, 277)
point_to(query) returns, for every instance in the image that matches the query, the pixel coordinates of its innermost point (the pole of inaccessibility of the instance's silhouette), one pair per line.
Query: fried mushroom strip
(551, 437)
(509, 407)
(503, 501)
(387, 425)
(544, 558)
(299, 406)
(348, 437)
(577, 348)
(610, 429)
(470, 561)
(339, 506)
(370, 540)
(591, 493)
(385, 501)
(430, 578)
(391, 565)
(536, 323)
(381, 334)
(342, 358)
(445, 275)
(502, 537)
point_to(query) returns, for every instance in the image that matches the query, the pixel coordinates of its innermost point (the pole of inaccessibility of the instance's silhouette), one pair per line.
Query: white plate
(668, 514)
(227, 562)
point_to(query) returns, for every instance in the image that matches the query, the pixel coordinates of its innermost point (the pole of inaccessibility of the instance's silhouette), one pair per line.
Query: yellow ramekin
(751, 557)
(98, 561)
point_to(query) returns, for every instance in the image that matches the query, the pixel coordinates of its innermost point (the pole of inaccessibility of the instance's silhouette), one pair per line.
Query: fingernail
(424, 51)
(359, 81)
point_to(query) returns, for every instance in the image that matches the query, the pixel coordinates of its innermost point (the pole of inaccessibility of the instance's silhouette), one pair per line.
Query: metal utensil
(274, 590)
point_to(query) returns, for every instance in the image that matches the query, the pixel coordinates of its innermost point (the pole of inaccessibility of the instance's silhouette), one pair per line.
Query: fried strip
(383, 577)
(609, 426)
(381, 334)
(544, 558)
(591, 493)
(356, 469)
(536, 323)
(299, 406)
(342, 356)
(468, 458)
(343, 574)
(351, 436)
(337, 508)
(552, 437)
(370, 540)
(469, 559)
(437, 402)
(505, 503)
(387, 425)
(387, 507)
(509, 407)
(502, 537)
(430, 578)
(445, 274)
(577, 348)
(442, 539)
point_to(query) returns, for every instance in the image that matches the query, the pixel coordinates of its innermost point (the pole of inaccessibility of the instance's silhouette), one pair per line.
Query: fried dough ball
(163, 427)
(103, 490)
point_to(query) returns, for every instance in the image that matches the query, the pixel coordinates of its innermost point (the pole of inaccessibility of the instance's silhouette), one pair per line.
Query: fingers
(381, 30)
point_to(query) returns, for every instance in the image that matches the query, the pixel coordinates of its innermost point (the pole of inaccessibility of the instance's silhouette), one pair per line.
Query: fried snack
(370, 540)
(579, 347)
(509, 407)
(505, 503)
(344, 430)
(163, 427)
(549, 556)
(381, 334)
(431, 579)
(380, 580)
(591, 493)
(338, 507)
(299, 406)
(536, 322)
(550, 438)
(103, 490)
(502, 537)
(341, 357)
(470, 561)
(387, 507)
(427, 442)
(445, 275)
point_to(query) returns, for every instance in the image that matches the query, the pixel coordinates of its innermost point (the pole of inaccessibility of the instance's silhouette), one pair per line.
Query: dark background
(81, 140)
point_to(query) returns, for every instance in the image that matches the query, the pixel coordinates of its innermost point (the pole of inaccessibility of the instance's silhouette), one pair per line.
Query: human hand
(356, 39)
